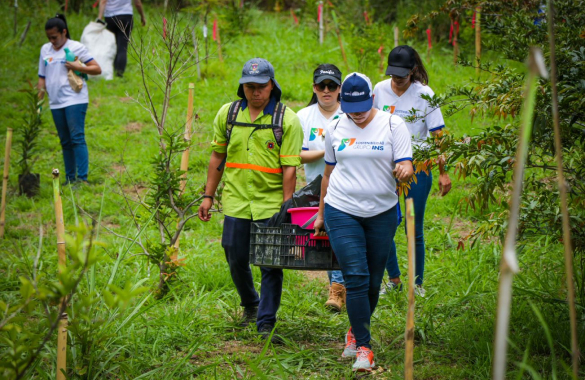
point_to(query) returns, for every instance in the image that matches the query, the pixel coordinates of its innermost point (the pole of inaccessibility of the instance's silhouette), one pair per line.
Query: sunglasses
(332, 86)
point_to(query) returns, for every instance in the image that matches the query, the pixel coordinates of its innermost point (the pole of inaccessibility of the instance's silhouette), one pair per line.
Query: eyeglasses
(332, 86)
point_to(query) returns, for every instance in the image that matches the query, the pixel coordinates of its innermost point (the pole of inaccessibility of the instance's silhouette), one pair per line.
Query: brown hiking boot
(336, 297)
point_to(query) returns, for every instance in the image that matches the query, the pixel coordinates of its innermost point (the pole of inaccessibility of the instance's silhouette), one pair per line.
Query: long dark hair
(324, 66)
(58, 22)
(419, 73)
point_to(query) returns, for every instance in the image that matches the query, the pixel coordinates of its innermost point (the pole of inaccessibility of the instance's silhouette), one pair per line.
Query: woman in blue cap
(321, 110)
(399, 95)
(365, 149)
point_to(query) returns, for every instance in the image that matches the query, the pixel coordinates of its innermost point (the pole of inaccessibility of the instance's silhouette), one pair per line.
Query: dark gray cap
(258, 70)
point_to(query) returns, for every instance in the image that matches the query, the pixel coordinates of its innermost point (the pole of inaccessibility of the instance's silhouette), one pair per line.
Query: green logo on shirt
(345, 143)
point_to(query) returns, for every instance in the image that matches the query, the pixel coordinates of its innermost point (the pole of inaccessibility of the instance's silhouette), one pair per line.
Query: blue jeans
(235, 241)
(335, 276)
(70, 123)
(362, 246)
(419, 192)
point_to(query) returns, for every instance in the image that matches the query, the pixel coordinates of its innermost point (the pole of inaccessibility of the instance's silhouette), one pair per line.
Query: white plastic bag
(101, 43)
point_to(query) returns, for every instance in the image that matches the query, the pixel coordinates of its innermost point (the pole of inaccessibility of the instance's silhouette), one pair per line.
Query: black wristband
(208, 196)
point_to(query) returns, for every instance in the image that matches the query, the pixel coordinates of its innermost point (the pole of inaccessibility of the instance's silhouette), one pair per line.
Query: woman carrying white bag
(119, 20)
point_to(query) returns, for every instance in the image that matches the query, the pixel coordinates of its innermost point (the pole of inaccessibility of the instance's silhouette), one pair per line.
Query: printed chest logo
(390, 109)
(361, 145)
(345, 143)
(270, 144)
(316, 132)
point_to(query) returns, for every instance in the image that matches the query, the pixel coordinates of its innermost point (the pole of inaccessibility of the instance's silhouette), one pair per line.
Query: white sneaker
(350, 350)
(364, 361)
(390, 286)
(420, 291)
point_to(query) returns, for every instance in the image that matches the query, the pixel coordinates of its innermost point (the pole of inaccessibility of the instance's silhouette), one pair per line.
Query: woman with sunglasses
(321, 110)
(364, 151)
(398, 96)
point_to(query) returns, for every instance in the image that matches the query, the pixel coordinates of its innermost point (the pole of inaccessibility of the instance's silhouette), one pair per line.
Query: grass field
(193, 331)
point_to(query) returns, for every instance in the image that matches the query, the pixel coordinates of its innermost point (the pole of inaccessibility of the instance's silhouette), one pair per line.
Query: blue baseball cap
(258, 70)
(356, 93)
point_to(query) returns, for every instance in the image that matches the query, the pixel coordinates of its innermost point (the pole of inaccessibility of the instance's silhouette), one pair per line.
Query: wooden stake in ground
(5, 180)
(220, 56)
(185, 157)
(396, 31)
(509, 264)
(320, 19)
(477, 38)
(62, 334)
(409, 334)
(563, 193)
(338, 32)
(62, 348)
(196, 51)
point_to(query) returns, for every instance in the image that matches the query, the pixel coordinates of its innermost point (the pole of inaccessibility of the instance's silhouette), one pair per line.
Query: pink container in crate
(301, 215)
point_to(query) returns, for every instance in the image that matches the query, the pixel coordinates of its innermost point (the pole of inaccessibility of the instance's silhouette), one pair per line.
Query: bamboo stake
(396, 32)
(5, 180)
(563, 193)
(409, 334)
(15, 17)
(196, 50)
(509, 264)
(321, 30)
(185, 157)
(62, 348)
(59, 219)
(338, 32)
(477, 38)
(455, 44)
(62, 334)
(219, 45)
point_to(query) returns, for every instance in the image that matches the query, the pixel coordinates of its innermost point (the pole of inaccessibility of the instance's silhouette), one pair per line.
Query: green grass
(193, 331)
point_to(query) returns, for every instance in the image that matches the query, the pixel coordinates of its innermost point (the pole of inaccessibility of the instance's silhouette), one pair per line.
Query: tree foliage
(489, 156)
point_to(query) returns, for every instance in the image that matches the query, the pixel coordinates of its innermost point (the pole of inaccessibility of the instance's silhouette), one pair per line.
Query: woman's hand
(319, 226)
(444, 184)
(403, 171)
(75, 66)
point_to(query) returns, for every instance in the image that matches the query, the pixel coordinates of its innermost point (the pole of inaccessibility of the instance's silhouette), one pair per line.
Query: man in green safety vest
(256, 149)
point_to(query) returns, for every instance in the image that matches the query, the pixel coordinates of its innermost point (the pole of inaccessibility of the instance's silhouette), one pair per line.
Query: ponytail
(419, 74)
(58, 22)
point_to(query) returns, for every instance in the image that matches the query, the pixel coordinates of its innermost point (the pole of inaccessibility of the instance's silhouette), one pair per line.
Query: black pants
(236, 244)
(121, 26)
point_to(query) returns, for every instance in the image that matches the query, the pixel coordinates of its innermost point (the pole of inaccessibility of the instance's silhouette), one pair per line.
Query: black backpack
(275, 125)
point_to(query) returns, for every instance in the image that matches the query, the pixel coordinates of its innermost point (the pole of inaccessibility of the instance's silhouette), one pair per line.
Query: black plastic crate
(289, 247)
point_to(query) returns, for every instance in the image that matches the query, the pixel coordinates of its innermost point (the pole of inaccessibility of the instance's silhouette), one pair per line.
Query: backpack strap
(229, 125)
(278, 121)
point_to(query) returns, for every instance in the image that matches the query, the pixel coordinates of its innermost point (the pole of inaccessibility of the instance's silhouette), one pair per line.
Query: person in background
(398, 96)
(364, 151)
(259, 173)
(67, 106)
(119, 20)
(321, 110)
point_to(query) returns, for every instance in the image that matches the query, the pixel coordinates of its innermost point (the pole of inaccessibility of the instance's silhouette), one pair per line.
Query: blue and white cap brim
(354, 107)
(261, 79)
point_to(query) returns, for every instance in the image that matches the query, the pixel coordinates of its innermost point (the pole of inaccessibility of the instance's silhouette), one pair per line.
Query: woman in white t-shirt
(321, 110)
(364, 150)
(399, 95)
(67, 106)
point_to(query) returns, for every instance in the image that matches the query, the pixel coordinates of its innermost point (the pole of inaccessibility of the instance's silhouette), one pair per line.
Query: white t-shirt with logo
(52, 68)
(118, 7)
(314, 124)
(362, 183)
(386, 100)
